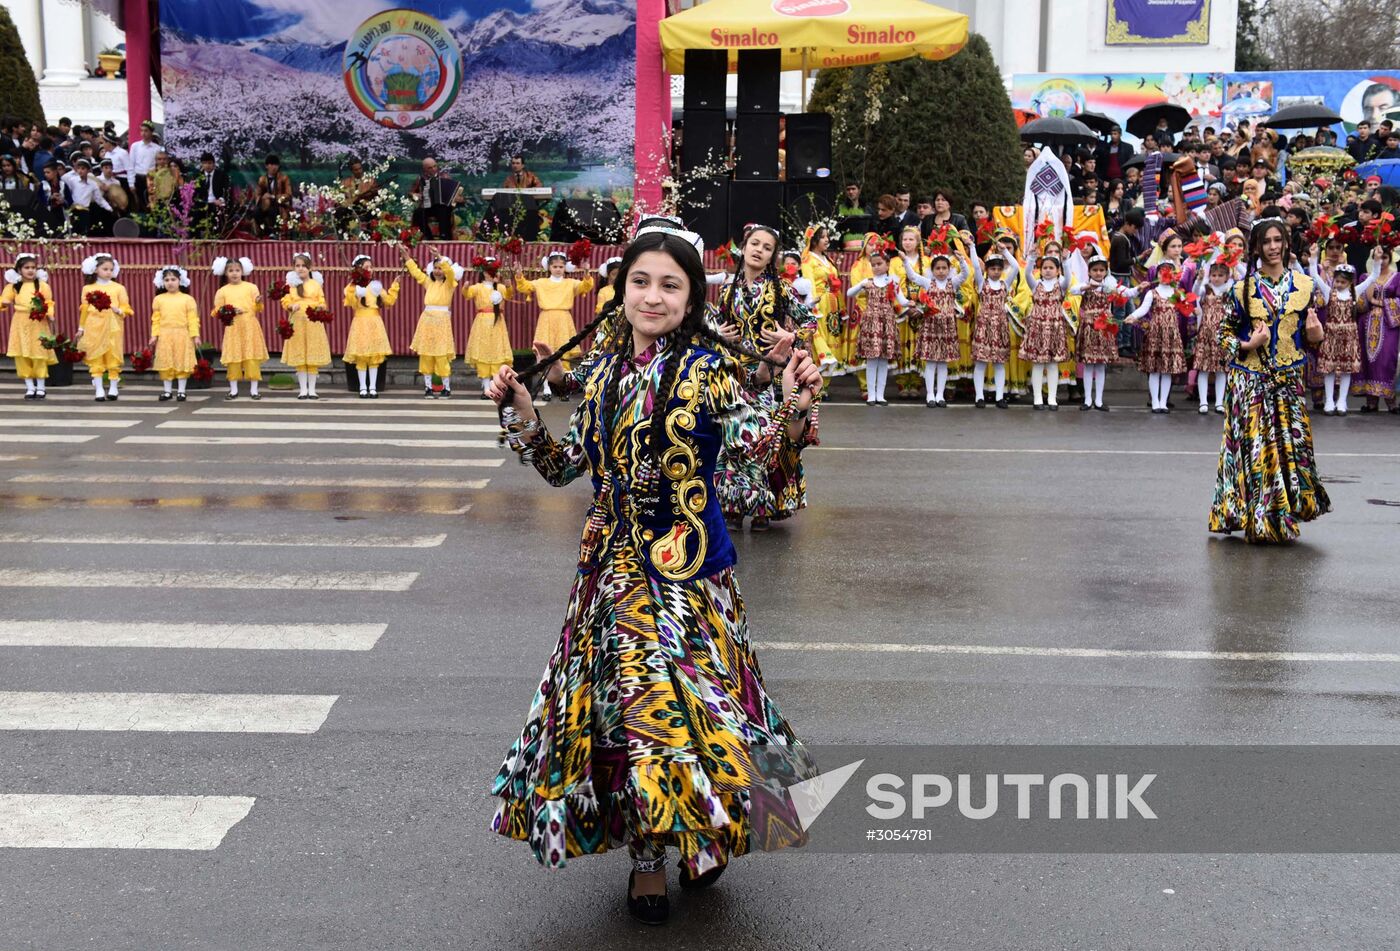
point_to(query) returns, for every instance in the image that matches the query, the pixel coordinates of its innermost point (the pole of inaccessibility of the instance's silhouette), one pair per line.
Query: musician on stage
(435, 197)
(520, 176)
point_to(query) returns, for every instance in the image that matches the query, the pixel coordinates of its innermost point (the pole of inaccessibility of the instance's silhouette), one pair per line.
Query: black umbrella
(1057, 130)
(1144, 121)
(1140, 160)
(1096, 121)
(1305, 115)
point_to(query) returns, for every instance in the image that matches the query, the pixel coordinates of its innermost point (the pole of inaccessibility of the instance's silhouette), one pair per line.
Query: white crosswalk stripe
(320, 412)
(193, 440)
(329, 426)
(28, 408)
(44, 437)
(72, 423)
(287, 482)
(246, 580)
(164, 712)
(384, 461)
(183, 635)
(231, 538)
(43, 821)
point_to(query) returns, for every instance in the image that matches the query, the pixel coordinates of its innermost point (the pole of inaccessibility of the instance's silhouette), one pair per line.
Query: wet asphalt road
(1012, 529)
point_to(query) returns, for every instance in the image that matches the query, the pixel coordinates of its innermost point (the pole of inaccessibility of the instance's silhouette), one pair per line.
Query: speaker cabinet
(755, 202)
(704, 207)
(756, 146)
(808, 145)
(705, 73)
(704, 139)
(810, 201)
(760, 72)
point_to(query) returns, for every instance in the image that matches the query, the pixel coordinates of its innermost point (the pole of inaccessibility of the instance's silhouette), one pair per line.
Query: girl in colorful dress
(1340, 354)
(27, 288)
(1380, 338)
(1097, 338)
(1213, 288)
(488, 344)
(174, 330)
(879, 300)
(102, 330)
(1162, 353)
(555, 294)
(655, 621)
(1267, 481)
(991, 328)
(308, 348)
(915, 271)
(432, 338)
(1046, 343)
(367, 344)
(244, 349)
(936, 343)
(830, 335)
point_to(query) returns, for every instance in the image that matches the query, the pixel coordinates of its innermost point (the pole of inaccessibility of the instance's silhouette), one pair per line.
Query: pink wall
(653, 121)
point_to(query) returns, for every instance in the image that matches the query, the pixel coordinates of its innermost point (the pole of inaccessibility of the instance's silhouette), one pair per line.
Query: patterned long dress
(879, 330)
(1267, 481)
(1093, 345)
(1046, 340)
(1379, 329)
(1162, 350)
(1209, 357)
(641, 729)
(1340, 351)
(937, 337)
(991, 334)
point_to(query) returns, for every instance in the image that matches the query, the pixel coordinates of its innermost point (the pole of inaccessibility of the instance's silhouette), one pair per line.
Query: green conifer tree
(19, 93)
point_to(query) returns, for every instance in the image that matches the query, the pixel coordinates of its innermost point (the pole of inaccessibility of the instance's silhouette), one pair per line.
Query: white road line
(312, 501)
(299, 441)
(185, 635)
(154, 578)
(1076, 452)
(164, 712)
(336, 413)
(73, 423)
(1083, 652)
(94, 408)
(228, 538)
(289, 482)
(44, 437)
(386, 461)
(84, 394)
(342, 427)
(199, 823)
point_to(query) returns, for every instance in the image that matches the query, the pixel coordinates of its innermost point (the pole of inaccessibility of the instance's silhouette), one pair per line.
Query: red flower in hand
(319, 315)
(141, 362)
(579, 251)
(514, 246)
(38, 308)
(98, 300)
(226, 314)
(285, 328)
(203, 372)
(278, 290)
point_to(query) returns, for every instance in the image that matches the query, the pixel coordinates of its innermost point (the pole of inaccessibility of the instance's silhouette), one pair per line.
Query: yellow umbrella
(817, 34)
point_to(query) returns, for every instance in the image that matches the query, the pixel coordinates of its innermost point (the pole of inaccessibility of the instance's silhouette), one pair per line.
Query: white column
(25, 13)
(64, 43)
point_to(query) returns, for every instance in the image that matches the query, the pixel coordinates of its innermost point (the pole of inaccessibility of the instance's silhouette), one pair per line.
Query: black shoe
(1002, 404)
(31, 396)
(1053, 407)
(427, 392)
(230, 396)
(303, 396)
(980, 404)
(941, 404)
(1329, 412)
(1220, 411)
(41, 395)
(111, 397)
(1101, 408)
(312, 396)
(701, 881)
(563, 397)
(1156, 411)
(165, 397)
(883, 402)
(179, 397)
(1084, 407)
(256, 396)
(100, 399)
(1038, 407)
(546, 397)
(374, 395)
(364, 394)
(446, 393)
(1341, 412)
(648, 909)
(1368, 408)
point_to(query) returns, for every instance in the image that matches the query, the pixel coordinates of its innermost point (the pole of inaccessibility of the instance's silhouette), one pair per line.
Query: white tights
(1049, 375)
(935, 379)
(1094, 376)
(1203, 389)
(1336, 394)
(1159, 387)
(877, 373)
(979, 379)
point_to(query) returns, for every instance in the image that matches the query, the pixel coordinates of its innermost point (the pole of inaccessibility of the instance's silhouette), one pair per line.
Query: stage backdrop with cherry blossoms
(469, 81)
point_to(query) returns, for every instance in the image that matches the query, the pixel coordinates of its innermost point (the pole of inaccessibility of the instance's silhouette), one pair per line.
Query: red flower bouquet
(285, 328)
(360, 277)
(38, 308)
(513, 246)
(226, 314)
(278, 290)
(203, 371)
(320, 315)
(1184, 302)
(142, 360)
(579, 251)
(98, 300)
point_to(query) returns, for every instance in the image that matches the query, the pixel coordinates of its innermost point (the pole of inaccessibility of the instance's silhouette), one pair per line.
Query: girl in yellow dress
(368, 343)
(918, 273)
(25, 282)
(826, 288)
(100, 330)
(432, 338)
(488, 344)
(307, 349)
(174, 329)
(244, 348)
(556, 294)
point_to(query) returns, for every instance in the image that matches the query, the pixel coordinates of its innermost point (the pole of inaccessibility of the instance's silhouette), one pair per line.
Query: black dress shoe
(446, 393)
(1002, 404)
(41, 395)
(1053, 407)
(165, 397)
(883, 402)
(179, 397)
(546, 397)
(303, 396)
(1101, 408)
(111, 397)
(256, 396)
(563, 397)
(648, 909)
(1039, 407)
(230, 396)
(31, 396)
(702, 881)
(100, 399)
(1084, 407)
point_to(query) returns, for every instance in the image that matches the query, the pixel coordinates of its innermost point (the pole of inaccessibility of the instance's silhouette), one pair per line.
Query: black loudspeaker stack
(705, 72)
(705, 143)
(757, 194)
(808, 146)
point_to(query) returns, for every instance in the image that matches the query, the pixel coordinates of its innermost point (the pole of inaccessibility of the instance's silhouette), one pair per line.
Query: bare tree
(1331, 34)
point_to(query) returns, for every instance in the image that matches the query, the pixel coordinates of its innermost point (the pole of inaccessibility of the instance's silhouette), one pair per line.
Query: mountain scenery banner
(467, 81)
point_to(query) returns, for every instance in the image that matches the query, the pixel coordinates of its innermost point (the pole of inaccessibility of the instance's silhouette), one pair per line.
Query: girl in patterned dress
(991, 328)
(1162, 353)
(1046, 343)
(1097, 338)
(641, 731)
(879, 300)
(1213, 288)
(243, 349)
(1340, 354)
(936, 343)
(914, 272)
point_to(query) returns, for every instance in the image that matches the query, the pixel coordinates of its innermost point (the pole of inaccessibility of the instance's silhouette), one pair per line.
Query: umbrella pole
(803, 98)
